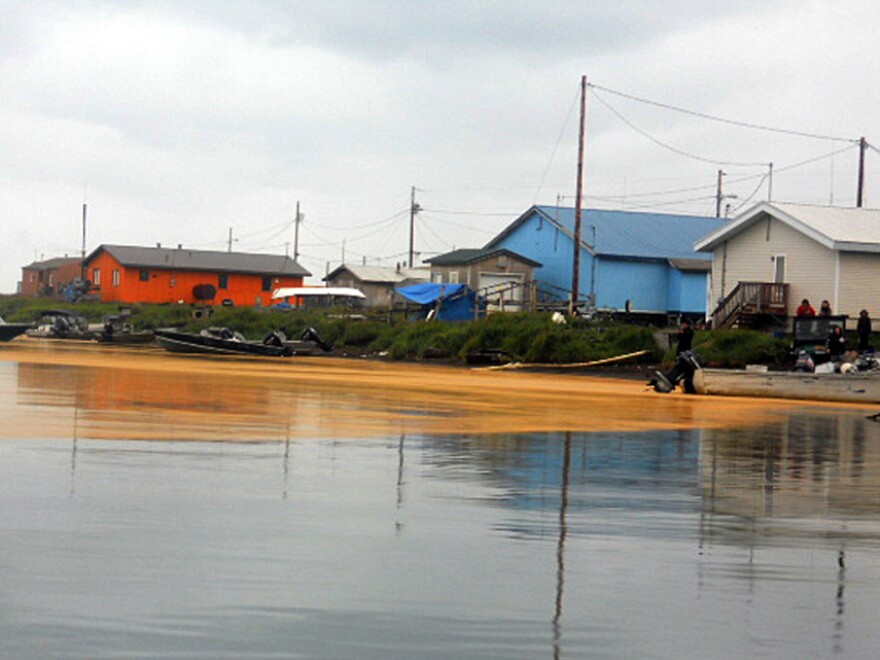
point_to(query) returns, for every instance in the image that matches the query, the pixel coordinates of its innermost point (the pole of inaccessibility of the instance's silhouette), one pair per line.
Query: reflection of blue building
(632, 474)
(647, 259)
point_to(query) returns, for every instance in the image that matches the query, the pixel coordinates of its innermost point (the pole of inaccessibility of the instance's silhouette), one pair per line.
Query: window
(779, 268)
(453, 277)
(267, 284)
(51, 279)
(223, 281)
(96, 277)
(144, 276)
(115, 277)
(437, 277)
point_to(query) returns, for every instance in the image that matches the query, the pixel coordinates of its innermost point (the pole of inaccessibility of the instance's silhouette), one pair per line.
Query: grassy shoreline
(522, 336)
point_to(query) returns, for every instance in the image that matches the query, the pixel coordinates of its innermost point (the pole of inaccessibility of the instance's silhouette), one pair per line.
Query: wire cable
(556, 146)
(669, 147)
(722, 120)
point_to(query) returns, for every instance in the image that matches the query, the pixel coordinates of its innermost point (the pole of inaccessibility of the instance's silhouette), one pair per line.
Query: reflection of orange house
(167, 275)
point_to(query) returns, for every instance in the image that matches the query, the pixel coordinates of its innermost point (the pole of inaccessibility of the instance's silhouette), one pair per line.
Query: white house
(819, 252)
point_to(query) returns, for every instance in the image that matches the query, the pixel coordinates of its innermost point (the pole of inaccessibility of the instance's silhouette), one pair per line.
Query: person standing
(864, 330)
(685, 337)
(836, 343)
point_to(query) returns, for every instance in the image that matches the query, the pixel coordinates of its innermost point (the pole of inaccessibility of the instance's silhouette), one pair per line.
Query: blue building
(642, 261)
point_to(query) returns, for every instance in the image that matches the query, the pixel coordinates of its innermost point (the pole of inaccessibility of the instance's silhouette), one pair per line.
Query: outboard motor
(275, 339)
(310, 334)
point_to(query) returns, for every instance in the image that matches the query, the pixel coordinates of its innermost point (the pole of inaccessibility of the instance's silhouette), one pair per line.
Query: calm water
(740, 543)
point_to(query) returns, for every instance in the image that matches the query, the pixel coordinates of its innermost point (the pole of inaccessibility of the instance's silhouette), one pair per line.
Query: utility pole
(413, 210)
(718, 195)
(296, 234)
(343, 251)
(860, 194)
(229, 241)
(770, 182)
(83, 253)
(576, 266)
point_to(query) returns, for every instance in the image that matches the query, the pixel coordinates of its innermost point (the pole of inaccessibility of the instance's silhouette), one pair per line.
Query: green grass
(528, 337)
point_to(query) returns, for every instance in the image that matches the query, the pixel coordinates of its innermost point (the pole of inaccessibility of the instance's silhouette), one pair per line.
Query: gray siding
(859, 280)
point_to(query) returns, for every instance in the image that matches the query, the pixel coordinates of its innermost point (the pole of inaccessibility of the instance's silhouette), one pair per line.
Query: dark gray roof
(49, 264)
(470, 255)
(204, 260)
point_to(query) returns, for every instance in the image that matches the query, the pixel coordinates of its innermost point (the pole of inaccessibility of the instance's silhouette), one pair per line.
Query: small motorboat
(222, 341)
(61, 324)
(118, 330)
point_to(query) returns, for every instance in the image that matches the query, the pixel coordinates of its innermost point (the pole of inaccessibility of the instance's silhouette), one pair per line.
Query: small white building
(814, 252)
(377, 283)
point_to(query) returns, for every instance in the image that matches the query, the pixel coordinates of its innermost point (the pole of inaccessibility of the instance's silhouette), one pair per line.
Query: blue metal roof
(628, 233)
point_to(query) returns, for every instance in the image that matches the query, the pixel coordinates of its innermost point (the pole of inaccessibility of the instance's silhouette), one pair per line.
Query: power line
(458, 224)
(484, 213)
(368, 224)
(669, 147)
(722, 120)
(556, 146)
(816, 159)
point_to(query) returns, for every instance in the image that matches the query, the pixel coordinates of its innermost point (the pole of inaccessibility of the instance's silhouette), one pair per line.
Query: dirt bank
(60, 389)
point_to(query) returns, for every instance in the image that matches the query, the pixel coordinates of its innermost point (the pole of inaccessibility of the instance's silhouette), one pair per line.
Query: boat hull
(851, 388)
(9, 331)
(184, 342)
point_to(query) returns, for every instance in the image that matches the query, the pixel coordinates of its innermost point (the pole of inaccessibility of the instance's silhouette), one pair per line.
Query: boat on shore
(9, 331)
(853, 387)
(221, 341)
(62, 324)
(118, 330)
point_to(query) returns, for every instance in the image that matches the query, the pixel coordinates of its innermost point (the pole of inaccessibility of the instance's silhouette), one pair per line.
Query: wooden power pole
(413, 210)
(296, 234)
(576, 266)
(861, 191)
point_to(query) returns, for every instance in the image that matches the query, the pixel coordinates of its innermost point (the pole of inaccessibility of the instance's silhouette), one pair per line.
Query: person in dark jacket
(825, 309)
(864, 330)
(836, 343)
(686, 364)
(685, 338)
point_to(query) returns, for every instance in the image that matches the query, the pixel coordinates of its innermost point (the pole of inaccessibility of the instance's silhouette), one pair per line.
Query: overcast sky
(177, 120)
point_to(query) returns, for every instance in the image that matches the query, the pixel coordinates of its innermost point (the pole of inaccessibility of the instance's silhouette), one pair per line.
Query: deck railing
(751, 299)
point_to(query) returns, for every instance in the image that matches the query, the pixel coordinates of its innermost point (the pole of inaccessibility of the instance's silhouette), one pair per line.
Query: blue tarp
(452, 302)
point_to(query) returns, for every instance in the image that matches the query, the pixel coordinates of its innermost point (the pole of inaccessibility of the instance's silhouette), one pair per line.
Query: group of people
(687, 362)
(806, 309)
(836, 340)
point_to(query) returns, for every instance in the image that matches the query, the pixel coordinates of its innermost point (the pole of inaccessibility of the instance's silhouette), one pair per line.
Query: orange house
(130, 274)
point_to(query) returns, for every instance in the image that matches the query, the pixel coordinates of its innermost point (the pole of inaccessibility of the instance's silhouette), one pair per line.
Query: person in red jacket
(806, 309)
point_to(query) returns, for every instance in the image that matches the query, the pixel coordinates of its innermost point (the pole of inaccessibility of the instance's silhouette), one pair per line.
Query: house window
(779, 268)
(453, 277)
(144, 276)
(96, 277)
(51, 279)
(437, 277)
(267, 284)
(115, 277)
(223, 281)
